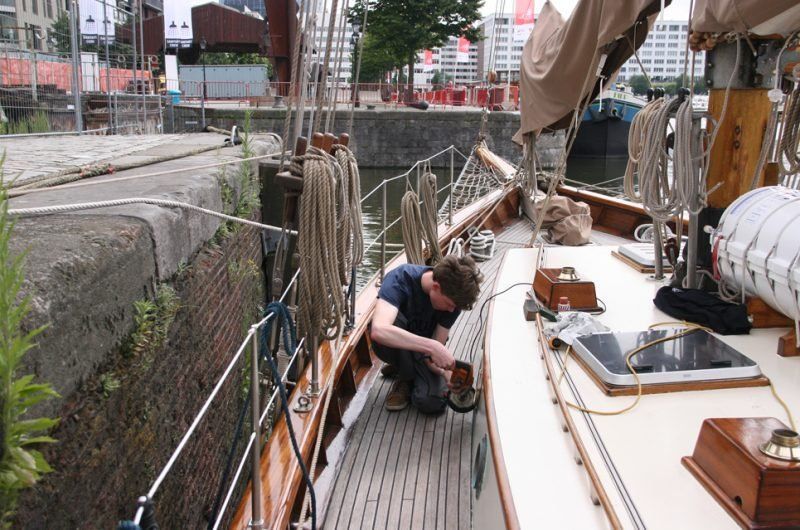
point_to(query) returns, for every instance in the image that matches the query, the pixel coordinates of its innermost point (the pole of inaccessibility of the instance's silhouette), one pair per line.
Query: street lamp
(203, 44)
(354, 40)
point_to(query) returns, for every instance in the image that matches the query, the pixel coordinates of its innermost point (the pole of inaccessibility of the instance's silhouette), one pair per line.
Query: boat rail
(252, 449)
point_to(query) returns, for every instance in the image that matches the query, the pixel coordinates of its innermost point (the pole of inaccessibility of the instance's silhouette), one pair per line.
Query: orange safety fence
(19, 72)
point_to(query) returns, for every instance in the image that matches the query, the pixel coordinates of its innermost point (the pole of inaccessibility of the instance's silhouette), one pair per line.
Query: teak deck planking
(407, 470)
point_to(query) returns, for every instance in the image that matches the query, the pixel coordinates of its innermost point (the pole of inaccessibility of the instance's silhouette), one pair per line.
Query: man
(417, 305)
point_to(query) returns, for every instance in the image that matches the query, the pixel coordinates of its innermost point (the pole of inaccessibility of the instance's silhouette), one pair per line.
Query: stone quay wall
(126, 405)
(389, 138)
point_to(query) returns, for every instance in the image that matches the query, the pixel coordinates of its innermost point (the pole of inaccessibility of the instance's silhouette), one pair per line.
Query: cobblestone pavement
(33, 158)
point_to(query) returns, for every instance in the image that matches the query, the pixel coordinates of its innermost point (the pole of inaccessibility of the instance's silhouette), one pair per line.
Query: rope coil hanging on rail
(321, 298)
(421, 224)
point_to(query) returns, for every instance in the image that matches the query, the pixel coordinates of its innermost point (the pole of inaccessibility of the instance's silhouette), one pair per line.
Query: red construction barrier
(19, 72)
(459, 97)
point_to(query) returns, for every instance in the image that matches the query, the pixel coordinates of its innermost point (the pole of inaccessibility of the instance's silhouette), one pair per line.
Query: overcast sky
(679, 10)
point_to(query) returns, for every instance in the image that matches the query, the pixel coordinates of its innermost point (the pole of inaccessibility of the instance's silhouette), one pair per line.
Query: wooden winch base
(758, 491)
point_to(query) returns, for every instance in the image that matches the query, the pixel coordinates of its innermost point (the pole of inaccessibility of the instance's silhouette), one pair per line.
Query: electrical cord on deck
(690, 328)
(483, 305)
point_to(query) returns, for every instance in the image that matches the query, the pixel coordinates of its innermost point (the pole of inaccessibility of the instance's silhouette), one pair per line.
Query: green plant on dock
(21, 466)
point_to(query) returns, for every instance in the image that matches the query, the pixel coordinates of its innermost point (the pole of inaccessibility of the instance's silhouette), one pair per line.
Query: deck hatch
(698, 356)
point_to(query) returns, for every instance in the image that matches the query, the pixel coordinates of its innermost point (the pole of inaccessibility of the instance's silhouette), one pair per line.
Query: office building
(662, 54)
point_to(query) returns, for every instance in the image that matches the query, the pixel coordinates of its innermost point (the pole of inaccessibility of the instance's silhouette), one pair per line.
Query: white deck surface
(644, 446)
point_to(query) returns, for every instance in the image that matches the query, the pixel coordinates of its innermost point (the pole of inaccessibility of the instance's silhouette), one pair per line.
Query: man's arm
(441, 333)
(385, 332)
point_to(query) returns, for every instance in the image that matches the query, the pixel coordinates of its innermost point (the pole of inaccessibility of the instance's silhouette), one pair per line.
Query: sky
(678, 10)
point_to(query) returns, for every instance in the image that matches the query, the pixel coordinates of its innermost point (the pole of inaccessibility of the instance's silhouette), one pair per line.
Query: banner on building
(462, 53)
(178, 24)
(97, 27)
(427, 63)
(523, 20)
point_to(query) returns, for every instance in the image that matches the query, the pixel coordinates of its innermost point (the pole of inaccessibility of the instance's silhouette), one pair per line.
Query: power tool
(462, 397)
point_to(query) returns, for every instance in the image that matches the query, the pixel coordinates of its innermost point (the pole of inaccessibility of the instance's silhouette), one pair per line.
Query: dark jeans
(427, 388)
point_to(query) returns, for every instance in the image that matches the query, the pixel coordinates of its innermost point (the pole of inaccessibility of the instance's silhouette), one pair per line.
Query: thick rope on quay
(321, 298)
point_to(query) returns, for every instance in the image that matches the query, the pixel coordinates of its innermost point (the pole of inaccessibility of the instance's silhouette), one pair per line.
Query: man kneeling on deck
(417, 306)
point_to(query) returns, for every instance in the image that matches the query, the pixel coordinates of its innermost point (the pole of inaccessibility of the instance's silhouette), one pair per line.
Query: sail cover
(757, 16)
(560, 58)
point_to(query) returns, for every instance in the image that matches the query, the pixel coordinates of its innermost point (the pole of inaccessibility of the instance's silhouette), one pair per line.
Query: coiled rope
(411, 221)
(429, 215)
(351, 238)
(321, 297)
(421, 224)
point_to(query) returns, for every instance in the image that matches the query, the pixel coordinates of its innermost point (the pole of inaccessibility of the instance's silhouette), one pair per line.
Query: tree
(639, 84)
(239, 58)
(377, 61)
(402, 28)
(60, 32)
(440, 77)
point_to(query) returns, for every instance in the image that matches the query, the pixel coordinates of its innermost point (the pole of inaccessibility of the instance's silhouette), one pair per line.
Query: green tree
(238, 58)
(440, 77)
(377, 61)
(639, 84)
(402, 28)
(60, 32)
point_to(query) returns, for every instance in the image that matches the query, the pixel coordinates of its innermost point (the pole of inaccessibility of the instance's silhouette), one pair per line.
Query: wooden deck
(404, 469)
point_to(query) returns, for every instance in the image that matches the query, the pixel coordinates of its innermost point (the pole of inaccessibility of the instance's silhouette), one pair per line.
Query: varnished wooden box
(756, 490)
(549, 289)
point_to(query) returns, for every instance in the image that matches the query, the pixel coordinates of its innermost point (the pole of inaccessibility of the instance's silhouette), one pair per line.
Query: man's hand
(441, 356)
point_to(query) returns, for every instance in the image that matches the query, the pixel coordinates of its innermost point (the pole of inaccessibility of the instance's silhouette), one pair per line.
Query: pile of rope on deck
(330, 241)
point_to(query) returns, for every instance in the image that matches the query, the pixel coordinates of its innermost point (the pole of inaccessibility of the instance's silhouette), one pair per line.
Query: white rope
(65, 208)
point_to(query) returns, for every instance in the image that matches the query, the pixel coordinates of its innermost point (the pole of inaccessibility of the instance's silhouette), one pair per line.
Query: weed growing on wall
(152, 320)
(21, 465)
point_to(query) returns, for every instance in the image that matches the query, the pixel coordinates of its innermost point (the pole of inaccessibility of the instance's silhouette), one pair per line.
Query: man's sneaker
(398, 397)
(389, 371)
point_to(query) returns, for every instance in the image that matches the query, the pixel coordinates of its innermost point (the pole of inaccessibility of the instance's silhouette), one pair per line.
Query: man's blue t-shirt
(402, 287)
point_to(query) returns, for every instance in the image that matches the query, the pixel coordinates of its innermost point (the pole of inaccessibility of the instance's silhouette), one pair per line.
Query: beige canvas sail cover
(763, 17)
(560, 59)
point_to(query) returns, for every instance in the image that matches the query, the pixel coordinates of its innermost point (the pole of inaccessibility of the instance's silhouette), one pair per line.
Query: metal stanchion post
(76, 65)
(383, 231)
(658, 247)
(313, 386)
(256, 521)
(450, 202)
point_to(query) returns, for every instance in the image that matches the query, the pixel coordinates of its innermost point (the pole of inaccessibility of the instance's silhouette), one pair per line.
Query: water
(588, 171)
